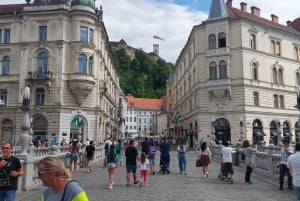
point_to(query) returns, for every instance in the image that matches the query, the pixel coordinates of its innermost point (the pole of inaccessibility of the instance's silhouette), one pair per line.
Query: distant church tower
(156, 49)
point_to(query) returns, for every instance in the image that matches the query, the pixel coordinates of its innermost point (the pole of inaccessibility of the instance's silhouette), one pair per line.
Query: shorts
(130, 168)
(111, 165)
(74, 156)
(151, 161)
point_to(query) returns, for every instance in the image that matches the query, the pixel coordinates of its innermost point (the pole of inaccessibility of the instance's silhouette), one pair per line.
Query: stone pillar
(26, 179)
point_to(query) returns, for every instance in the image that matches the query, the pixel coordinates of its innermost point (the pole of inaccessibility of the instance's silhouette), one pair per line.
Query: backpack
(118, 148)
(106, 146)
(243, 156)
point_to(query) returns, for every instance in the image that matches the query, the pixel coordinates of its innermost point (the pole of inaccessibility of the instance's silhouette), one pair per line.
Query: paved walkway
(172, 187)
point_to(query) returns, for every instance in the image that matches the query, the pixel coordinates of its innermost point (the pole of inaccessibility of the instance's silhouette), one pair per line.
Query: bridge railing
(266, 162)
(29, 162)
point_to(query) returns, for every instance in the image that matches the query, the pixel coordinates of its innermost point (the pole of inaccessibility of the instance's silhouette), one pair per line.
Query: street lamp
(212, 130)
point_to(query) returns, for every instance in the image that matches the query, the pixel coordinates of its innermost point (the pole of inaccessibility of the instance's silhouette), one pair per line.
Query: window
(298, 78)
(254, 72)
(253, 41)
(82, 63)
(91, 63)
(281, 101)
(256, 98)
(212, 41)
(91, 36)
(3, 96)
(5, 65)
(296, 53)
(280, 77)
(212, 70)
(130, 119)
(6, 36)
(86, 34)
(39, 96)
(222, 40)
(42, 65)
(42, 33)
(83, 34)
(272, 47)
(276, 104)
(274, 71)
(275, 48)
(222, 70)
(278, 49)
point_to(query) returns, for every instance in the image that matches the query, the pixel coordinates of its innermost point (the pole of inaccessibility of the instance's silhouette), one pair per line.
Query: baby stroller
(164, 165)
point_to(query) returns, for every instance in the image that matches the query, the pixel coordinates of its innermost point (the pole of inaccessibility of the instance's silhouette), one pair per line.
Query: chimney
(274, 18)
(244, 6)
(255, 11)
(229, 3)
(288, 23)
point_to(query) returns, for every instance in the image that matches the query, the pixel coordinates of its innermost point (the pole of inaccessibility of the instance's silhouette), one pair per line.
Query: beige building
(236, 77)
(60, 50)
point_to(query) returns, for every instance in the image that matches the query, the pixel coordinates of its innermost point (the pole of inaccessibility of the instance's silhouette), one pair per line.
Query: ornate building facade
(60, 50)
(236, 77)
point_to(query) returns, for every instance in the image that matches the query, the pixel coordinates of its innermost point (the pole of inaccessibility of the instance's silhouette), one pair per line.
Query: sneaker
(206, 175)
(128, 185)
(110, 186)
(227, 181)
(137, 181)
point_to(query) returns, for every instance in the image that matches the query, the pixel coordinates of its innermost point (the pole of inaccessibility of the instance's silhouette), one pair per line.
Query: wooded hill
(142, 76)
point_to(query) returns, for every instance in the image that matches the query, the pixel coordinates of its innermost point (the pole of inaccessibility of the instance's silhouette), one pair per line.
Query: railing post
(28, 171)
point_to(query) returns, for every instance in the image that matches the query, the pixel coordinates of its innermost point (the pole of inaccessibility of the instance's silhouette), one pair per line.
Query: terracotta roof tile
(9, 9)
(296, 24)
(144, 103)
(235, 13)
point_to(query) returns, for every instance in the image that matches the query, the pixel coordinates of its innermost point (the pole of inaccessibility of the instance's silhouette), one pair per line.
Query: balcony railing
(40, 75)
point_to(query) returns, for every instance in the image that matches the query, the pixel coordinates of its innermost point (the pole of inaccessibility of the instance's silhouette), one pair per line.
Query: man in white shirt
(293, 164)
(285, 152)
(227, 162)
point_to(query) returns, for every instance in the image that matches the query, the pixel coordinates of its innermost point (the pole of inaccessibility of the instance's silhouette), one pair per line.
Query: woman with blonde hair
(56, 177)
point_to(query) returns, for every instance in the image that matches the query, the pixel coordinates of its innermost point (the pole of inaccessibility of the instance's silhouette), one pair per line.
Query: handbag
(198, 163)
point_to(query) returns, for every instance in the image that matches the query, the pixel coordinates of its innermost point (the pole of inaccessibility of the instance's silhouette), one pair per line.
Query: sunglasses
(41, 173)
(5, 147)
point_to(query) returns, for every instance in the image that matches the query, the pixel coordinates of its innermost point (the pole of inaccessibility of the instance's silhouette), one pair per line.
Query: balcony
(39, 78)
(81, 85)
(219, 87)
(218, 51)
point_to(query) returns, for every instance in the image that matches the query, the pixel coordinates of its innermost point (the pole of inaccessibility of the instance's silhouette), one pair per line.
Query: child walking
(144, 166)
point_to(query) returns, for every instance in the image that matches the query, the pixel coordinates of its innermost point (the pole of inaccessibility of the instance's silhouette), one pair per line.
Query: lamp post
(298, 107)
(213, 137)
(279, 134)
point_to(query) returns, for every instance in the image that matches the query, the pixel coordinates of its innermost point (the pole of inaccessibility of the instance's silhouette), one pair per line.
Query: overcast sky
(136, 21)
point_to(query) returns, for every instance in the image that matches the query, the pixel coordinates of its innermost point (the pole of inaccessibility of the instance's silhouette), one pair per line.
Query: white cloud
(136, 21)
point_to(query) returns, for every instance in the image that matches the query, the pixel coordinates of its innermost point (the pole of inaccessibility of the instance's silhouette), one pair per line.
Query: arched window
(280, 77)
(213, 70)
(212, 41)
(5, 65)
(274, 76)
(91, 64)
(253, 41)
(278, 49)
(82, 63)
(254, 71)
(222, 40)
(222, 70)
(42, 65)
(272, 47)
(39, 96)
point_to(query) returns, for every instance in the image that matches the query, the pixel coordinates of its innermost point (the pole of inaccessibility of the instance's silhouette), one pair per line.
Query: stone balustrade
(30, 177)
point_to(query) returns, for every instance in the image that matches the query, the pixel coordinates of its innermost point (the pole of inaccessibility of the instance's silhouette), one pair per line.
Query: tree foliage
(142, 76)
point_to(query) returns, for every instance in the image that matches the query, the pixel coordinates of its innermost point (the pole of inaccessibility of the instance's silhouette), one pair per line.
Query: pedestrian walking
(144, 166)
(74, 155)
(285, 152)
(227, 162)
(182, 158)
(250, 156)
(56, 177)
(111, 162)
(151, 157)
(293, 164)
(89, 151)
(205, 157)
(10, 170)
(119, 149)
(131, 155)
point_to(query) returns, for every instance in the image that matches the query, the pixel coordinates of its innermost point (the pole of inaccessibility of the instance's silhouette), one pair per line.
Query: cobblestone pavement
(192, 187)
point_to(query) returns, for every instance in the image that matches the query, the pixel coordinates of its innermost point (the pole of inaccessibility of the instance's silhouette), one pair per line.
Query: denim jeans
(248, 174)
(8, 195)
(297, 190)
(182, 162)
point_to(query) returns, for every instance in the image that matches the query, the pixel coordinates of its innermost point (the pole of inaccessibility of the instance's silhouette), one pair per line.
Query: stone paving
(191, 187)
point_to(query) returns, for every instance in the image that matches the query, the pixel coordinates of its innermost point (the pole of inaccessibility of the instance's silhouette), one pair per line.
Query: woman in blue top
(181, 149)
(111, 162)
(151, 157)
